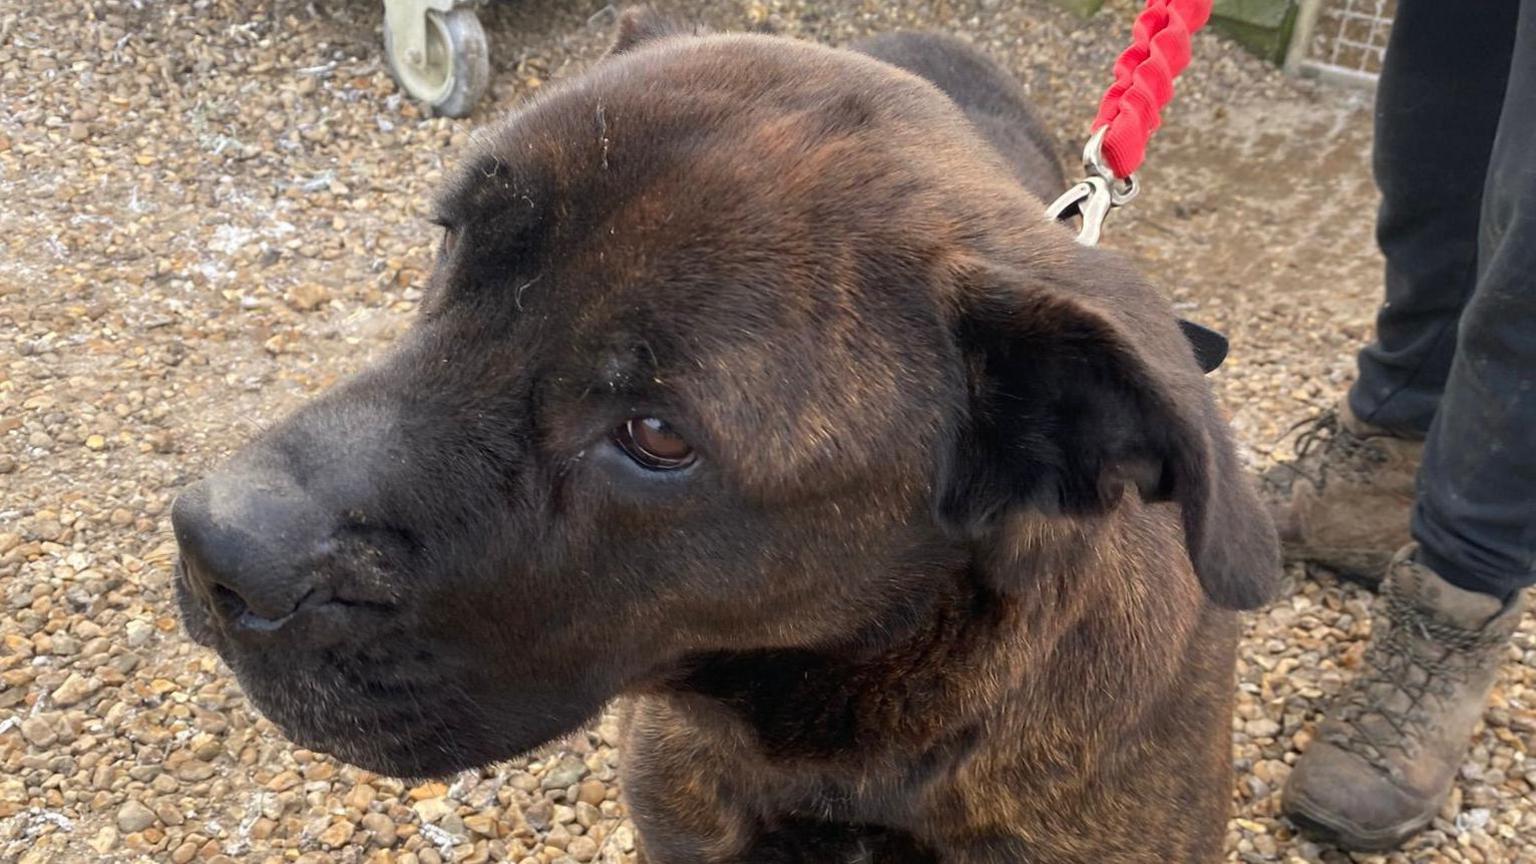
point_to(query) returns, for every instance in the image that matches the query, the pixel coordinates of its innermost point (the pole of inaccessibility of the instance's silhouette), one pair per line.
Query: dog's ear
(1210, 347)
(1081, 390)
(642, 24)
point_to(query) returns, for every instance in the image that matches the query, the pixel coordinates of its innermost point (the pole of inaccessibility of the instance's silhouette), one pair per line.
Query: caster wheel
(454, 71)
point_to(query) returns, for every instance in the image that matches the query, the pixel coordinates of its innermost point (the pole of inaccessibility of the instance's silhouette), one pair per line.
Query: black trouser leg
(1476, 513)
(1437, 110)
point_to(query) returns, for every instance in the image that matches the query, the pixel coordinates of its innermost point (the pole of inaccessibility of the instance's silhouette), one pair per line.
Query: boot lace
(1373, 723)
(1324, 445)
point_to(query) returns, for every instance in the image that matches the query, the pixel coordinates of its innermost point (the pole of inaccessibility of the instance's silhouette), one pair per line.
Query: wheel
(455, 70)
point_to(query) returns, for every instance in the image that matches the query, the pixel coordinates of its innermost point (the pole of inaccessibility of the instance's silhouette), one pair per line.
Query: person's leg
(1437, 108)
(1345, 502)
(1476, 514)
(1389, 750)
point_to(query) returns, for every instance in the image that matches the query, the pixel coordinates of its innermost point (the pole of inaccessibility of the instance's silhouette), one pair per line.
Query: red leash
(1131, 111)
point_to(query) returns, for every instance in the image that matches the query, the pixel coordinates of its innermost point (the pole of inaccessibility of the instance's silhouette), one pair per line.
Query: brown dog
(906, 521)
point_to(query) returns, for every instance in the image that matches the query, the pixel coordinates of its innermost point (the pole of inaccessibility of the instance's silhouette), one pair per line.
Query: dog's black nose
(249, 542)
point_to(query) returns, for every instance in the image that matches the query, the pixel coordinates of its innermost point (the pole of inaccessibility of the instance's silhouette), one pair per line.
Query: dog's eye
(654, 444)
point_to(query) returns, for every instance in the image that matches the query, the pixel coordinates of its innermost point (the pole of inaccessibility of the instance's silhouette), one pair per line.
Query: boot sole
(1317, 826)
(1373, 582)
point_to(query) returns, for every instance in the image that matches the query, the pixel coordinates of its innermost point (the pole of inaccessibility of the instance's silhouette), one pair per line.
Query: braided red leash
(1132, 107)
(1131, 111)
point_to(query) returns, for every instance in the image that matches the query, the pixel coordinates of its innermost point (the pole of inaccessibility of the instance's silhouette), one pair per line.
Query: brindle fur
(952, 580)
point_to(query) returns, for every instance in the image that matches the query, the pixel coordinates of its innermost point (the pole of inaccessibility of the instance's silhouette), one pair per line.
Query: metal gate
(1342, 39)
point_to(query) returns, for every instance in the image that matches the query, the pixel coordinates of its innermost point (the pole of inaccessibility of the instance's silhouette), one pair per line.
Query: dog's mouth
(370, 706)
(376, 705)
(397, 709)
(378, 693)
(195, 617)
(379, 704)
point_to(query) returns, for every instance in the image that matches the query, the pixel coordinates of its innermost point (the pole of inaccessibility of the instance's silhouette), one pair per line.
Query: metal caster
(438, 53)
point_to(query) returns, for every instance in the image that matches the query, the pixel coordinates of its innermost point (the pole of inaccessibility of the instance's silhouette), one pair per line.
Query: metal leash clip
(1095, 195)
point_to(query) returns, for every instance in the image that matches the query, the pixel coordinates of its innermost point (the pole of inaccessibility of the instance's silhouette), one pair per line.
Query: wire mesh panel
(1349, 37)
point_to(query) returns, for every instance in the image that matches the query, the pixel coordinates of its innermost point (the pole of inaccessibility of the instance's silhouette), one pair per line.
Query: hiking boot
(1346, 501)
(1384, 758)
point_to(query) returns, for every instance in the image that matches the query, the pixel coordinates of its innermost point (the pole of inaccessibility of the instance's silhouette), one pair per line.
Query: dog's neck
(986, 642)
(825, 702)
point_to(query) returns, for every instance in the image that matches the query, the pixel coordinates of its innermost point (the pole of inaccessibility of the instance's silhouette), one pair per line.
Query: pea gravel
(211, 210)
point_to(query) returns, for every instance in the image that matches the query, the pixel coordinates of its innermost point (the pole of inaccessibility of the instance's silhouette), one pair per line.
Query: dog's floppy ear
(1079, 392)
(642, 24)
(1210, 347)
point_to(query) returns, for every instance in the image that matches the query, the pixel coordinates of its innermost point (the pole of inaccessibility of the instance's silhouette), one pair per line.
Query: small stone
(13, 791)
(337, 835)
(104, 841)
(558, 837)
(75, 689)
(1263, 728)
(162, 441)
(319, 770)
(193, 770)
(540, 815)
(164, 783)
(360, 796)
(483, 795)
(524, 781)
(133, 817)
(284, 781)
(454, 827)
(432, 809)
(564, 773)
(38, 730)
(64, 645)
(480, 824)
(428, 790)
(610, 731)
(307, 296)
(19, 645)
(624, 838)
(591, 792)
(7, 463)
(582, 848)
(382, 831)
(95, 442)
(138, 632)
(1301, 740)
(169, 814)
(262, 828)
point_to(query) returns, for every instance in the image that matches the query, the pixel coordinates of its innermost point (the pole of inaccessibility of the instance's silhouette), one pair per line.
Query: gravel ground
(214, 209)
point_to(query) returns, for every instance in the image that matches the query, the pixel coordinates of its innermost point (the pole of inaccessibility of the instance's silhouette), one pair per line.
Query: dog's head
(733, 343)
